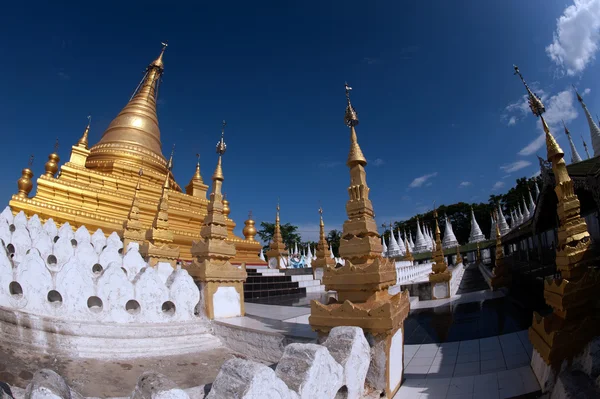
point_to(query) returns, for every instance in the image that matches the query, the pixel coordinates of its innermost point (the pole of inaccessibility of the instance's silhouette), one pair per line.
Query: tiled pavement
(495, 367)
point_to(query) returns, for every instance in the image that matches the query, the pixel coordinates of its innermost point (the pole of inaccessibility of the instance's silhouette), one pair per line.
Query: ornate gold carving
(439, 269)
(133, 231)
(277, 249)
(323, 254)
(249, 229)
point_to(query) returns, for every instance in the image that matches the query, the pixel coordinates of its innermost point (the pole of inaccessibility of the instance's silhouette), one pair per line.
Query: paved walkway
(494, 367)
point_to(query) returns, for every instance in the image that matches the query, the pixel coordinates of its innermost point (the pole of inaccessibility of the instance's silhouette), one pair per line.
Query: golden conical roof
(134, 136)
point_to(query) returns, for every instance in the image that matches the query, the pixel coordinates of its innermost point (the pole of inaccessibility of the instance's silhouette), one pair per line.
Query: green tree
(333, 238)
(288, 233)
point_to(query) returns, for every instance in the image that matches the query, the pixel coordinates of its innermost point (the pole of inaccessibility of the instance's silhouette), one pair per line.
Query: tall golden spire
(562, 334)
(351, 120)
(51, 165)
(134, 136)
(439, 268)
(322, 253)
(83, 141)
(277, 249)
(221, 148)
(196, 186)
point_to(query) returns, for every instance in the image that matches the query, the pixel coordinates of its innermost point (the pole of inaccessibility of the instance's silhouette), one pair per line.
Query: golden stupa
(96, 187)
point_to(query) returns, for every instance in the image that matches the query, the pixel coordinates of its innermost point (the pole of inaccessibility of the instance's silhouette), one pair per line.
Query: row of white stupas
(305, 254)
(424, 240)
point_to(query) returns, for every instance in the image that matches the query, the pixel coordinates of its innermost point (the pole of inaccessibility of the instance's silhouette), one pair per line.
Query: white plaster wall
(226, 303)
(62, 274)
(396, 359)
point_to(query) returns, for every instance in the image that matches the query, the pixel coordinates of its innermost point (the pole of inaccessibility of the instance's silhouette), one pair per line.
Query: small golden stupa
(362, 283)
(277, 251)
(440, 275)
(323, 253)
(97, 186)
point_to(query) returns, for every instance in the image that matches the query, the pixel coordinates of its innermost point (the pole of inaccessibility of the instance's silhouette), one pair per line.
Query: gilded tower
(212, 270)
(277, 251)
(562, 334)
(324, 258)
(96, 187)
(440, 274)
(362, 283)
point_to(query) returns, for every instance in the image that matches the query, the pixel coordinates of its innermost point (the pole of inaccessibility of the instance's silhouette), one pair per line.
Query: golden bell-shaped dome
(25, 184)
(52, 165)
(134, 136)
(249, 230)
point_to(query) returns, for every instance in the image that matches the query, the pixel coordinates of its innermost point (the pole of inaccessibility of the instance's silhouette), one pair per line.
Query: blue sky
(441, 114)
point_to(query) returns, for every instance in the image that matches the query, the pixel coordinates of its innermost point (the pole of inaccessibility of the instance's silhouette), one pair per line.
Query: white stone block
(310, 371)
(46, 384)
(45, 245)
(109, 255)
(226, 303)
(34, 225)
(35, 281)
(244, 379)
(115, 290)
(153, 385)
(164, 270)
(75, 285)
(63, 251)
(349, 347)
(21, 243)
(133, 261)
(396, 360)
(87, 257)
(151, 293)
(440, 290)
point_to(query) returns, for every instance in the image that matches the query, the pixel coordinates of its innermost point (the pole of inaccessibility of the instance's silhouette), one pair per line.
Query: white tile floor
(495, 367)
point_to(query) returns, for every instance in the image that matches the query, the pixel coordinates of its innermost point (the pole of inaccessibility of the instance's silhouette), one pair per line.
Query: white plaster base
(543, 372)
(104, 340)
(226, 303)
(396, 360)
(440, 290)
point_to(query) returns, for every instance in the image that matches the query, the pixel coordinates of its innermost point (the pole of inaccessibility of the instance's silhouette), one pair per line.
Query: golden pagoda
(573, 323)
(277, 250)
(216, 277)
(362, 283)
(97, 185)
(440, 274)
(323, 253)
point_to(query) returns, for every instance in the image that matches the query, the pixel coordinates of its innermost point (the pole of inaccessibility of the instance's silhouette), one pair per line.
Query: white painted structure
(449, 240)
(476, 235)
(76, 292)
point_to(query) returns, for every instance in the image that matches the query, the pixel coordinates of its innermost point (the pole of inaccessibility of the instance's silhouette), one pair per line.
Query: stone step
(315, 288)
(302, 277)
(295, 272)
(308, 283)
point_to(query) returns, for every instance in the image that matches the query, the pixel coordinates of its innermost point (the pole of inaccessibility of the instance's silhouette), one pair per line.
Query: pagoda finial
(535, 103)
(170, 163)
(197, 175)
(221, 147)
(83, 141)
(351, 119)
(159, 61)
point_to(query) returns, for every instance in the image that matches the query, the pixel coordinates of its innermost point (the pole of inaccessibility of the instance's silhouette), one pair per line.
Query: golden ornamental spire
(351, 120)
(132, 227)
(440, 267)
(197, 175)
(249, 230)
(134, 135)
(277, 249)
(25, 184)
(170, 162)
(51, 165)
(323, 253)
(83, 141)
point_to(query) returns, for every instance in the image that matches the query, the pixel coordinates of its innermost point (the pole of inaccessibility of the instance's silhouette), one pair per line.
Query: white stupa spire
(520, 217)
(502, 225)
(385, 247)
(309, 254)
(531, 203)
(594, 130)
(331, 252)
(510, 221)
(449, 240)
(587, 153)
(574, 154)
(476, 235)
(493, 229)
(537, 191)
(295, 248)
(525, 210)
(421, 244)
(262, 255)
(394, 248)
(401, 243)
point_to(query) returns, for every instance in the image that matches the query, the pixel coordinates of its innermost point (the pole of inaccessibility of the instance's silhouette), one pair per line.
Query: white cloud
(559, 107)
(464, 184)
(513, 167)
(498, 185)
(586, 91)
(512, 121)
(378, 162)
(419, 181)
(577, 36)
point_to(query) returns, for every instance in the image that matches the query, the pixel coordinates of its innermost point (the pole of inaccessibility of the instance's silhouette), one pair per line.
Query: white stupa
(421, 245)
(393, 249)
(526, 215)
(502, 225)
(262, 255)
(384, 253)
(331, 252)
(537, 191)
(411, 244)
(531, 203)
(476, 235)
(574, 154)
(449, 240)
(493, 229)
(594, 130)
(401, 243)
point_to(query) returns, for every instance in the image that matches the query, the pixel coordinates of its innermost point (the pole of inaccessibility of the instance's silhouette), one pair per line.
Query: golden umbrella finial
(535, 103)
(351, 117)
(170, 163)
(221, 146)
(31, 157)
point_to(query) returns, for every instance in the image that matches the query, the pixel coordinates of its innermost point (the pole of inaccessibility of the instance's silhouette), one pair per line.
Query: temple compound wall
(76, 293)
